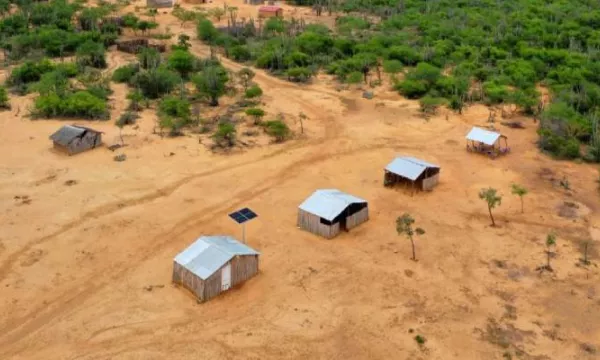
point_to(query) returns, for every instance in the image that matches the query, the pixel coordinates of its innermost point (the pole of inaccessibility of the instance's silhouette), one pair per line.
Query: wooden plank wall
(188, 280)
(242, 268)
(358, 218)
(312, 223)
(430, 182)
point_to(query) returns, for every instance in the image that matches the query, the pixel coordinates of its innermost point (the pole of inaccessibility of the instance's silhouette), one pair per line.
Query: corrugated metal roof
(484, 136)
(209, 253)
(66, 134)
(409, 167)
(329, 203)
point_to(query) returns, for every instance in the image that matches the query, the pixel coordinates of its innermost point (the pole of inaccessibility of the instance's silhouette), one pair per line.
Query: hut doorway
(226, 277)
(344, 224)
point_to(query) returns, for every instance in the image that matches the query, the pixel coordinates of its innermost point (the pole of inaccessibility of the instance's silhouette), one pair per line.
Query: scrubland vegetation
(447, 52)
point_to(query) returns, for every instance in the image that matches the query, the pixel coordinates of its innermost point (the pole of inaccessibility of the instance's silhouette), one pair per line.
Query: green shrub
(175, 107)
(30, 72)
(225, 135)
(79, 104)
(155, 83)
(256, 113)
(149, 58)
(127, 118)
(392, 66)
(92, 54)
(277, 129)
(429, 104)
(298, 74)
(4, 101)
(411, 89)
(124, 73)
(240, 53)
(207, 31)
(253, 92)
(354, 77)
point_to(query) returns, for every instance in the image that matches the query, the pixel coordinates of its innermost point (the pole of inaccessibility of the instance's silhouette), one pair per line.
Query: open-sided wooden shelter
(487, 142)
(413, 172)
(327, 212)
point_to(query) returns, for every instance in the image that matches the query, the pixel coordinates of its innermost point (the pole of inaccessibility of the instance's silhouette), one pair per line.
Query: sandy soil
(87, 243)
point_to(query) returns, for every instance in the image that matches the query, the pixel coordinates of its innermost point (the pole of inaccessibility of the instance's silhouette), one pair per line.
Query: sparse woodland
(447, 52)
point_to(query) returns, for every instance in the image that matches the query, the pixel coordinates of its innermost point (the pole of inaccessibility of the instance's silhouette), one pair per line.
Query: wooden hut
(160, 3)
(327, 212)
(214, 264)
(413, 172)
(270, 11)
(487, 142)
(74, 139)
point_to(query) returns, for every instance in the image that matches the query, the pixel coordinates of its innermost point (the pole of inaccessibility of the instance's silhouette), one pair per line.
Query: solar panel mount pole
(244, 232)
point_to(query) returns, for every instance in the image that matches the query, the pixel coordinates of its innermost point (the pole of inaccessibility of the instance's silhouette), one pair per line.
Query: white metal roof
(329, 203)
(484, 136)
(209, 253)
(409, 167)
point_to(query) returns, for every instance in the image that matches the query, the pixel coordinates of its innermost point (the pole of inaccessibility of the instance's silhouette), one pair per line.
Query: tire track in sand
(23, 326)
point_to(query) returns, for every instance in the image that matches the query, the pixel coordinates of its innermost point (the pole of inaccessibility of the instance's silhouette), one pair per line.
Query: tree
(550, 242)
(225, 135)
(245, 75)
(491, 197)
(256, 113)
(154, 83)
(217, 13)
(520, 191)
(211, 82)
(182, 62)
(301, 117)
(183, 41)
(184, 15)
(404, 226)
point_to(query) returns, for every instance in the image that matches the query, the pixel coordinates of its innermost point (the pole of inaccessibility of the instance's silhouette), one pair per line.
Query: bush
(175, 107)
(225, 135)
(127, 118)
(240, 53)
(79, 104)
(411, 89)
(155, 83)
(91, 53)
(149, 58)
(298, 74)
(429, 104)
(30, 72)
(392, 66)
(124, 73)
(253, 91)
(182, 62)
(206, 31)
(354, 77)
(256, 113)
(277, 129)
(4, 101)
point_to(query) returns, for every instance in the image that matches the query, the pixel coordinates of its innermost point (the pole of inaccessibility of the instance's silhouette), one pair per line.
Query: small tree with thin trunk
(301, 117)
(520, 191)
(550, 242)
(491, 197)
(404, 226)
(256, 113)
(245, 75)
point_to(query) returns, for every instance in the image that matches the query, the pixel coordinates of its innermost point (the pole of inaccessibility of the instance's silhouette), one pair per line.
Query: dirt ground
(86, 243)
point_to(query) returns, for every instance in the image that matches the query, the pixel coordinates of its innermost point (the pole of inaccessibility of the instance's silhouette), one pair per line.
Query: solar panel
(241, 216)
